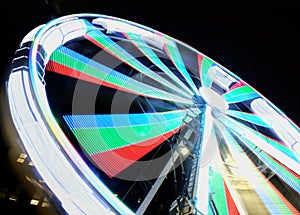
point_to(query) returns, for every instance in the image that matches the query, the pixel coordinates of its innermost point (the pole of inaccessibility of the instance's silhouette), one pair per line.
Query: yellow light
(184, 151)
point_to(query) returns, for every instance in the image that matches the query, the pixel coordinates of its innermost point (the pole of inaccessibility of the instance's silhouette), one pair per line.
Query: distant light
(184, 151)
(13, 198)
(20, 160)
(45, 205)
(34, 202)
(23, 155)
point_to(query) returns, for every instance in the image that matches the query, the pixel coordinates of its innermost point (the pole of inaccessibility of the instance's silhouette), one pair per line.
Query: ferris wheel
(114, 113)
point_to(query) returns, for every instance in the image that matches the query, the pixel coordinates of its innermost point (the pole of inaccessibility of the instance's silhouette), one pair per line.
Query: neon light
(141, 44)
(217, 186)
(116, 141)
(249, 117)
(100, 39)
(72, 64)
(231, 204)
(122, 120)
(175, 56)
(100, 139)
(282, 127)
(46, 154)
(114, 161)
(240, 94)
(205, 63)
(282, 172)
(285, 155)
(200, 58)
(247, 170)
(209, 140)
(237, 85)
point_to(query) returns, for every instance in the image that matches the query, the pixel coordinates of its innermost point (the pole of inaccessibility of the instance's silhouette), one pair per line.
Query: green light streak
(78, 62)
(240, 94)
(112, 47)
(95, 140)
(252, 118)
(177, 60)
(141, 44)
(205, 79)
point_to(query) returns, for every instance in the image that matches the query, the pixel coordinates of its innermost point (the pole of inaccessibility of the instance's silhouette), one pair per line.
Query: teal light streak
(149, 53)
(283, 173)
(219, 196)
(237, 127)
(85, 65)
(205, 65)
(177, 60)
(252, 118)
(112, 47)
(240, 94)
(266, 193)
(106, 134)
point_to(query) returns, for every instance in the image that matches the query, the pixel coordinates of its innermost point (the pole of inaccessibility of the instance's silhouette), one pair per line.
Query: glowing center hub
(213, 99)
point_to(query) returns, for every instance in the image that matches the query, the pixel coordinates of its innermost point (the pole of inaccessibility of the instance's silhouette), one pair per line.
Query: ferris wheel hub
(214, 100)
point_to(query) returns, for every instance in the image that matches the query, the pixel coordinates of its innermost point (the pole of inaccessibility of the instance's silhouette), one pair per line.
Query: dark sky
(257, 42)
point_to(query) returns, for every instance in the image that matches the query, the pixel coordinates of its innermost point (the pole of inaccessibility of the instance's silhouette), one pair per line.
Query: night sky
(259, 43)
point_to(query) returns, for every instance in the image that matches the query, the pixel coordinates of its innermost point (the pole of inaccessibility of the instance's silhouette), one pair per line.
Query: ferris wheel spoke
(123, 135)
(218, 187)
(240, 94)
(248, 117)
(119, 130)
(212, 172)
(209, 144)
(149, 53)
(100, 39)
(204, 64)
(67, 62)
(246, 170)
(276, 119)
(174, 54)
(274, 148)
(233, 203)
(217, 184)
(288, 176)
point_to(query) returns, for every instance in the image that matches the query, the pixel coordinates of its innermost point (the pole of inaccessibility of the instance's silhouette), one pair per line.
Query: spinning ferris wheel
(113, 114)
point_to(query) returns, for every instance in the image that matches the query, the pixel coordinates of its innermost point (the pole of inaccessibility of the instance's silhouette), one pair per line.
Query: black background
(257, 42)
